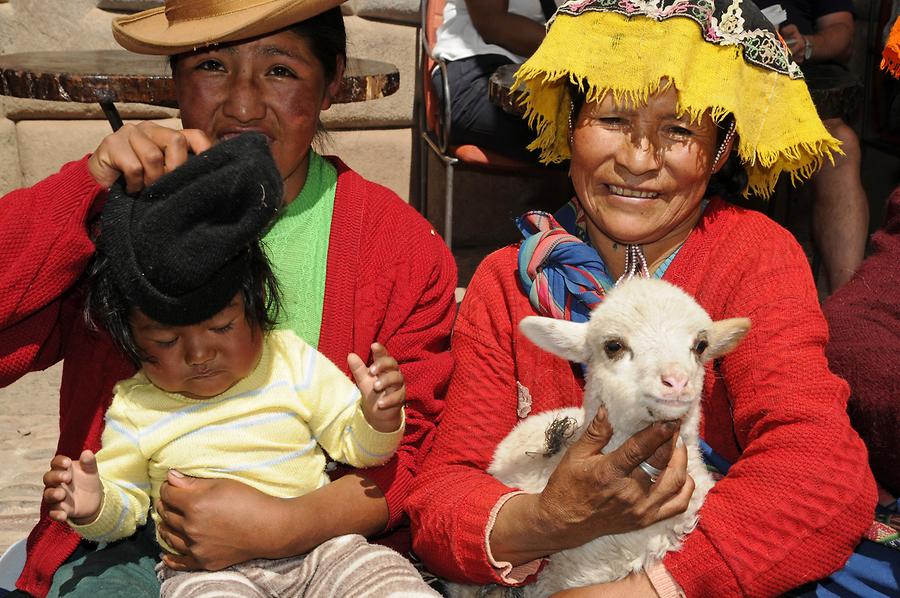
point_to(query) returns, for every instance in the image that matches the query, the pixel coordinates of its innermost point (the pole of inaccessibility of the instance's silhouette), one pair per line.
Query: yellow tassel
(776, 122)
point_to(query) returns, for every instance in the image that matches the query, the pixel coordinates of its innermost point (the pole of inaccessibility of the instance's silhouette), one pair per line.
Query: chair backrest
(432, 16)
(11, 564)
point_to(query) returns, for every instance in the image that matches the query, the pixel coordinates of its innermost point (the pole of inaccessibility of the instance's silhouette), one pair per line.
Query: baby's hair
(107, 307)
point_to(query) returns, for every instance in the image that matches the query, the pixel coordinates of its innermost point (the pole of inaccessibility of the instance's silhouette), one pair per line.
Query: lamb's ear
(560, 337)
(725, 336)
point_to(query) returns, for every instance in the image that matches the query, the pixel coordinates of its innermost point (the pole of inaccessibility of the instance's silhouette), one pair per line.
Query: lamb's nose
(674, 383)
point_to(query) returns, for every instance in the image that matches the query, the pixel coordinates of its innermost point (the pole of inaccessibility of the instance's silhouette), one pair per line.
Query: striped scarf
(563, 276)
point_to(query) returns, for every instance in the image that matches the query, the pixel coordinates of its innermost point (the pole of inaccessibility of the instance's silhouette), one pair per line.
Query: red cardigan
(390, 278)
(800, 494)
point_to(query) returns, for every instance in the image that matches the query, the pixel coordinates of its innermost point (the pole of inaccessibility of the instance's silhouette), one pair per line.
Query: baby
(181, 283)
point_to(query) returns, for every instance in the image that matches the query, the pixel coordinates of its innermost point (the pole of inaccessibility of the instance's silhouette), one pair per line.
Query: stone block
(10, 173)
(33, 25)
(396, 11)
(381, 155)
(389, 43)
(25, 109)
(45, 145)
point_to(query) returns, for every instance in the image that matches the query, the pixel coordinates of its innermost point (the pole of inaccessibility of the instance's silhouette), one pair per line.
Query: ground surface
(28, 433)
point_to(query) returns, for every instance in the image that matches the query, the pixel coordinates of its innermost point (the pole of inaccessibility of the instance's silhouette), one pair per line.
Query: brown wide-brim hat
(185, 25)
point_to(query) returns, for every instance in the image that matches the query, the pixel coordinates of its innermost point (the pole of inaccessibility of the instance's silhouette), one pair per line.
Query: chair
(434, 118)
(11, 564)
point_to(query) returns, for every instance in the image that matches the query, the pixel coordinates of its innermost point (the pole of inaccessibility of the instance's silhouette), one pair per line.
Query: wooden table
(109, 76)
(831, 100)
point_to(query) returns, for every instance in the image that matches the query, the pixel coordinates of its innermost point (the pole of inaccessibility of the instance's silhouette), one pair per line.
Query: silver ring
(651, 471)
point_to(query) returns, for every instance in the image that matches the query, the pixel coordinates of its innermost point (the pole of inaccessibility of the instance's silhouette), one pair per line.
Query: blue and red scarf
(563, 276)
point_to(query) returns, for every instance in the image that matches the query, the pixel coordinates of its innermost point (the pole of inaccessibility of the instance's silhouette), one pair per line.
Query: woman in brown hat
(341, 247)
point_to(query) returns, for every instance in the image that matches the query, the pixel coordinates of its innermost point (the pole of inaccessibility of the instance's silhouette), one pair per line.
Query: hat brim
(150, 32)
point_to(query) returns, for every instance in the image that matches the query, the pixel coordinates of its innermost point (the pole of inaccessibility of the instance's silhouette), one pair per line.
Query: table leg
(112, 115)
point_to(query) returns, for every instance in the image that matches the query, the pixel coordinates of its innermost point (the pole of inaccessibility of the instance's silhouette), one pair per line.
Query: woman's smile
(631, 193)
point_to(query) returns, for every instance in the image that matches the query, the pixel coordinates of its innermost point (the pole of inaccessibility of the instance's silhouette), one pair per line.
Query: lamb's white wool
(645, 348)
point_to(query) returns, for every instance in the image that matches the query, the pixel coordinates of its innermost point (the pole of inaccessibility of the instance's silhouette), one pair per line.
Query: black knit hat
(180, 250)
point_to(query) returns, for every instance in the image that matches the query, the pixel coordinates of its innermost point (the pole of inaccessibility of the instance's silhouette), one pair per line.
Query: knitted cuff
(663, 582)
(506, 571)
(107, 525)
(374, 447)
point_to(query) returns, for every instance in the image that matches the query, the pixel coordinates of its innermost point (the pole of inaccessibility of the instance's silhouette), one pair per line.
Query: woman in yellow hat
(342, 248)
(665, 109)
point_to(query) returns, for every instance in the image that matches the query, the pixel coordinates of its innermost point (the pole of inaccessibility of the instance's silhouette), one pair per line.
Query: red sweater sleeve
(453, 495)
(44, 248)
(391, 279)
(416, 332)
(799, 498)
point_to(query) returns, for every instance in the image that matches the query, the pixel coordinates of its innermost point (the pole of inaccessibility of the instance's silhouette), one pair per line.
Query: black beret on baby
(180, 250)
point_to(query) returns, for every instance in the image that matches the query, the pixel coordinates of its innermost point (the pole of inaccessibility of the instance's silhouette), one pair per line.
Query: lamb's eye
(613, 348)
(700, 347)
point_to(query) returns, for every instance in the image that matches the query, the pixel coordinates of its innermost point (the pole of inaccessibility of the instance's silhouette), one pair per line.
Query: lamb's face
(648, 357)
(645, 347)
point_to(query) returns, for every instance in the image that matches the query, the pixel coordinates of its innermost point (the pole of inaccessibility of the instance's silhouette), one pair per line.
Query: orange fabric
(473, 154)
(890, 57)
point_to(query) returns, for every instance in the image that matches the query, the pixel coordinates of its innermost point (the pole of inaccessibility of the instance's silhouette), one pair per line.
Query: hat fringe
(599, 53)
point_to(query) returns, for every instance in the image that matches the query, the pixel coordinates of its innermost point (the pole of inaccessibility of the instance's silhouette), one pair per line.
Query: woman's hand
(636, 585)
(591, 494)
(215, 523)
(143, 153)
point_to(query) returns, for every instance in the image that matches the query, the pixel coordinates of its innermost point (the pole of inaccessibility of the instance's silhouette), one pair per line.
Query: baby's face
(202, 360)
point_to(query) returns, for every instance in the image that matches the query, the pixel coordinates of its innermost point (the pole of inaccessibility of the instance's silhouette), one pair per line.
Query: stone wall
(36, 137)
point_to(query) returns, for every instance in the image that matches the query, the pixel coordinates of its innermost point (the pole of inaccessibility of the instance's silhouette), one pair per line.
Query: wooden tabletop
(121, 76)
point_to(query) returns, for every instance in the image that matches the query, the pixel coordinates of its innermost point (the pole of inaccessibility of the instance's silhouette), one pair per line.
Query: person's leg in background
(840, 210)
(476, 120)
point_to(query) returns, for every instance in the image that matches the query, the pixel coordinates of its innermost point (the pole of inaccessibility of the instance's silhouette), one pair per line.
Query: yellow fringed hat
(890, 57)
(723, 57)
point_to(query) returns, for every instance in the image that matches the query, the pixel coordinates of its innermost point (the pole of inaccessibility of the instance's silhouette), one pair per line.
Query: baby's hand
(72, 489)
(382, 386)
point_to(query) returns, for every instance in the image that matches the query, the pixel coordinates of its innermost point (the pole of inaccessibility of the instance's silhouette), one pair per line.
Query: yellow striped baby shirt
(265, 431)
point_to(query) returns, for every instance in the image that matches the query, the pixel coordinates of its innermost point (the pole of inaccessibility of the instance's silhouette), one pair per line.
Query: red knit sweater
(390, 278)
(799, 496)
(864, 317)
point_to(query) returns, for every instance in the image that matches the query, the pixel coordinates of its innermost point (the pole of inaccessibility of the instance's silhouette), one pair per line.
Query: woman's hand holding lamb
(591, 494)
(72, 489)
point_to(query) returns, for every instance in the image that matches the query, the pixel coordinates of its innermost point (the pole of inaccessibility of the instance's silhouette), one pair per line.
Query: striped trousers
(343, 566)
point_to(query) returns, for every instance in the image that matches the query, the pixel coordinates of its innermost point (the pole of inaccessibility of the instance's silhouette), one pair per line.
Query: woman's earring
(725, 143)
(571, 125)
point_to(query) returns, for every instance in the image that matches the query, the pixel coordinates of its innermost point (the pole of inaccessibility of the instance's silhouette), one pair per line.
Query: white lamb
(645, 348)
